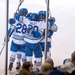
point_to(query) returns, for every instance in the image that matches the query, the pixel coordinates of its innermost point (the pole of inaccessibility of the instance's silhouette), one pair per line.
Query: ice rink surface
(63, 41)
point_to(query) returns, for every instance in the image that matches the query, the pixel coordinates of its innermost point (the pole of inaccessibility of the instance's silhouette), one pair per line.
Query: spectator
(73, 72)
(69, 66)
(55, 69)
(67, 60)
(51, 62)
(26, 69)
(40, 74)
(46, 68)
(56, 72)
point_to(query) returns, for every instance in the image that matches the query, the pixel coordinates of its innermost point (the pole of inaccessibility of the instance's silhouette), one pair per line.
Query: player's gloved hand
(11, 21)
(36, 33)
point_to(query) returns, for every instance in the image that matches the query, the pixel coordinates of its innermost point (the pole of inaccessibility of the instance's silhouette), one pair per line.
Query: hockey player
(22, 14)
(18, 29)
(33, 37)
(29, 15)
(53, 28)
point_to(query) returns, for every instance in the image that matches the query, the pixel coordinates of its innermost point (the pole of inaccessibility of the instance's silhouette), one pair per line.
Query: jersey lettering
(21, 28)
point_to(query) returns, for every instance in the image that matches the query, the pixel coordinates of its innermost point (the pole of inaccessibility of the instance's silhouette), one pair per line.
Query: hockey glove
(36, 33)
(11, 21)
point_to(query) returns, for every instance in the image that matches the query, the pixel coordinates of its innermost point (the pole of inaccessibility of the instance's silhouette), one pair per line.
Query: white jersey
(41, 27)
(18, 34)
(54, 29)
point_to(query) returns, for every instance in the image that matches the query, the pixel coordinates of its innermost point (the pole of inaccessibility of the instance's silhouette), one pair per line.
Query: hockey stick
(17, 10)
(21, 1)
(46, 30)
(49, 9)
(4, 43)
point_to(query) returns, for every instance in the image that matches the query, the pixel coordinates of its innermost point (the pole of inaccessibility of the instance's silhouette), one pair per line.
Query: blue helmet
(23, 11)
(42, 14)
(34, 17)
(29, 15)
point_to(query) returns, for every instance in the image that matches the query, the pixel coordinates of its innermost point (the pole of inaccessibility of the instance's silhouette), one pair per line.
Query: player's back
(18, 35)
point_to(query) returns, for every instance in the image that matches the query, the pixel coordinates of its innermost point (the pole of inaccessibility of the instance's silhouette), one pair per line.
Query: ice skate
(10, 66)
(35, 68)
(18, 66)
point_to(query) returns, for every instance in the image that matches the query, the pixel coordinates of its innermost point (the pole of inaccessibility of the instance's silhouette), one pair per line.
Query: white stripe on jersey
(18, 34)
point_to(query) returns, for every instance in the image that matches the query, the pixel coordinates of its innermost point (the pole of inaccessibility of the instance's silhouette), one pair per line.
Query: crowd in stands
(47, 68)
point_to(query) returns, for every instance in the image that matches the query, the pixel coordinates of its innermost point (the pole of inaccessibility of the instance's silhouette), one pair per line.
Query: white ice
(63, 41)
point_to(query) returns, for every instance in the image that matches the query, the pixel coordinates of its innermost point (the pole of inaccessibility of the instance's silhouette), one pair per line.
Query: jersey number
(21, 28)
(33, 27)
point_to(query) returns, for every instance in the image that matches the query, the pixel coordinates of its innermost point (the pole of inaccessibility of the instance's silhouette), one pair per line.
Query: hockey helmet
(29, 15)
(34, 17)
(42, 14)
(23, 11)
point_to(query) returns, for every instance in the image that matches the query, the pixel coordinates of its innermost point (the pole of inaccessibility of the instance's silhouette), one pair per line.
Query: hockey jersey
(38, 27)
(19, 29)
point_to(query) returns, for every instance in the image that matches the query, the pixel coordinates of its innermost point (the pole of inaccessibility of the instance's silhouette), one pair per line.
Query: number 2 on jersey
(21, 28)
